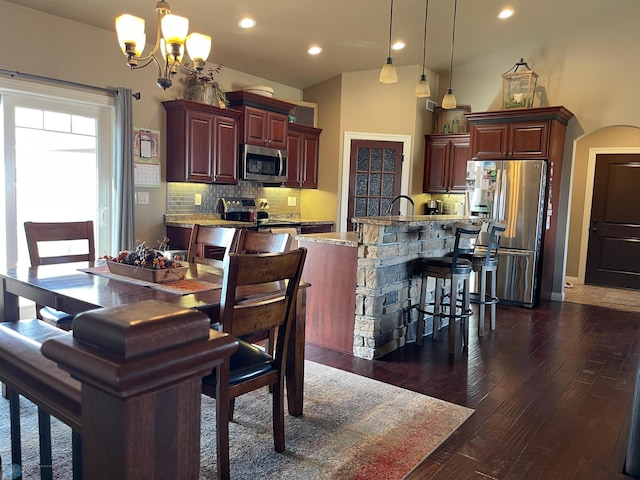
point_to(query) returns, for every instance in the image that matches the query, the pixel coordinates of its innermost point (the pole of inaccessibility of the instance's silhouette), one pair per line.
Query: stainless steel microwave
(263, 164)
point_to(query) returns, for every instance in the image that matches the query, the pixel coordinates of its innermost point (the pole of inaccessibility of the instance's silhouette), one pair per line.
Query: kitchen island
(365, 284)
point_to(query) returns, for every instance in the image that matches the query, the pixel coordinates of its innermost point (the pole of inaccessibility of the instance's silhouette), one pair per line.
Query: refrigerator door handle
(501, 198)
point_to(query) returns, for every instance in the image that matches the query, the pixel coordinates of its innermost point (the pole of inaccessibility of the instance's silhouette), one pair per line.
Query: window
(57, 152)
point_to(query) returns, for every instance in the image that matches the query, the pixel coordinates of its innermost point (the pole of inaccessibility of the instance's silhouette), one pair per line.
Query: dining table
(78, 287)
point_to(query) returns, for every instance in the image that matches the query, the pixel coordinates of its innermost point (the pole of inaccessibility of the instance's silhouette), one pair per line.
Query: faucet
(398, 197)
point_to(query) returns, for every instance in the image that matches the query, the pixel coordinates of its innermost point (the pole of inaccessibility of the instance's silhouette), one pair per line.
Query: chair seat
(444, 265)
(57, 318)
(246, 363)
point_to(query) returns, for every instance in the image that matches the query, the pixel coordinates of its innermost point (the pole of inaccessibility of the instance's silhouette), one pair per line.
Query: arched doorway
(618, 139)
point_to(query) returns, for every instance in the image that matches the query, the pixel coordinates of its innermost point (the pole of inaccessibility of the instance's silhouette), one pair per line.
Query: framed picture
(450, 120)
(304, 113)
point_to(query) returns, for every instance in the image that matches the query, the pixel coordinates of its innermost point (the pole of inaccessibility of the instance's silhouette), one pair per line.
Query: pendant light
(422, 89)
(388, 73)
(449, 100)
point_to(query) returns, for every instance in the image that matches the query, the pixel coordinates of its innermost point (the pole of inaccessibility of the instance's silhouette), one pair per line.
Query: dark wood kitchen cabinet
(202, 143)
(445, 162)
(303, 144)
(264, 128)
(265, 120)
(517, 134)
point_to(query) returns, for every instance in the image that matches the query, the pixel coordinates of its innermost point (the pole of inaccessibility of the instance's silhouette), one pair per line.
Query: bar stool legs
(482, 299)
(449, 310)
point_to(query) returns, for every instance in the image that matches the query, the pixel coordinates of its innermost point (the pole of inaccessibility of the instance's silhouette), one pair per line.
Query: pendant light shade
(423, 89)
(449, 100)
(388, 73)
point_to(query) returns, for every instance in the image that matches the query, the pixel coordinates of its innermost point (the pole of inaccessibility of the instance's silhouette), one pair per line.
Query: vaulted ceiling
(353, 33)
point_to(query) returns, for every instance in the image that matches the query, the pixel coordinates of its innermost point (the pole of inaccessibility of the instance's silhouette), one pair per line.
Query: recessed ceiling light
(506, 13)
(247, 23)
(399, 45)
(315, 50)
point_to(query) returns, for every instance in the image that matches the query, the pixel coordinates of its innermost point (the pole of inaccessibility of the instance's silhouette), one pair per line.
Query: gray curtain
(123, 212)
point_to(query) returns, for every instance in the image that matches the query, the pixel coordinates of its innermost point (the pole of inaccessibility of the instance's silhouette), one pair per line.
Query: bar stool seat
(454, 269)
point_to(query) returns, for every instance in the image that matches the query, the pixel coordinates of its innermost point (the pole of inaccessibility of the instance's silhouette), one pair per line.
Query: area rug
(353, 428)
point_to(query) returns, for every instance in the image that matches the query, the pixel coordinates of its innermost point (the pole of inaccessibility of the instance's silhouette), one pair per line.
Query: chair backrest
(42, 235)
(463, 232)
(291, 231)
(250, 241)
(244, 308)
(203, 236)
(495, 229)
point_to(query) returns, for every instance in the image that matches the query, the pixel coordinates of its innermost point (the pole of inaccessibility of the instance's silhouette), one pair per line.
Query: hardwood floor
(551, 388)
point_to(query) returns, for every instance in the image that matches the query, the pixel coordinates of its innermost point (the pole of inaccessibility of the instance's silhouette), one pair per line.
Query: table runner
(179, 287)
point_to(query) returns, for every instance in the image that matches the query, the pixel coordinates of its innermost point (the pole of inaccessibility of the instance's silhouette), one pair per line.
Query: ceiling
(353, 33)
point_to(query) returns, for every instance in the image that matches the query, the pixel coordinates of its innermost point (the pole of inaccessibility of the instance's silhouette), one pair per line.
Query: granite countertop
(187, 220)
(348, 239)
(414, 219)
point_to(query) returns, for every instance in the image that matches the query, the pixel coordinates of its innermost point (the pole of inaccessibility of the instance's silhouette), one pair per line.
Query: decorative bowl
(160, 275)
(260, 90)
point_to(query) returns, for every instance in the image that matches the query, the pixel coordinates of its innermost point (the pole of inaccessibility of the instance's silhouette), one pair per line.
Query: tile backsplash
(181, 197)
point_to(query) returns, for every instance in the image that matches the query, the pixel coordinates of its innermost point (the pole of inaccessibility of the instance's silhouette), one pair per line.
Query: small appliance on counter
(432, 207)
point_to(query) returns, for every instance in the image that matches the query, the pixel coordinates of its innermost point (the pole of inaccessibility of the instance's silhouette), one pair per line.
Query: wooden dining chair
(241, 315)
(60, 242)
(250, 241)
(211, 241)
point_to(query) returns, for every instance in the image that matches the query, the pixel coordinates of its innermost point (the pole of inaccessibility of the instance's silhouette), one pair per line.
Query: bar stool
(484, 264)
(455, 269)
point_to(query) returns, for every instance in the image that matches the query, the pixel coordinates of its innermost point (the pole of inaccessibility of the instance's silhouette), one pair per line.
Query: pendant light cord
(453, 41)
(390, 24)
(424, 42)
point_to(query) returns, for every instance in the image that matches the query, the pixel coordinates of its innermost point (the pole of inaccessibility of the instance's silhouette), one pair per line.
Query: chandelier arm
(147, 61)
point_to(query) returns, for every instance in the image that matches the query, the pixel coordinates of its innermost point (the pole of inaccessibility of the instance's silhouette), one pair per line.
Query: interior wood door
(613, 254)
(374, 179)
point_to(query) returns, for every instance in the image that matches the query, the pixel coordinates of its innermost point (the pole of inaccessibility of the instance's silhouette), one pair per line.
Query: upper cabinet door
(277, 130)
(255, 126)
(489, 142)
(529, 140)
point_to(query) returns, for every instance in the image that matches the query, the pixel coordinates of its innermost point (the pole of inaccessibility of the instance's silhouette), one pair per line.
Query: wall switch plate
(143, 198)
(198, 199)
(291, 201)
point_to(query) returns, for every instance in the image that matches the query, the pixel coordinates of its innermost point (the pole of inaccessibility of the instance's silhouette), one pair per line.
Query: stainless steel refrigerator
(513, 192)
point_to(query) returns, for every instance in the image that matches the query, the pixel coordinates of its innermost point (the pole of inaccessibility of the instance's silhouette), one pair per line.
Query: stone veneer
(388, 284)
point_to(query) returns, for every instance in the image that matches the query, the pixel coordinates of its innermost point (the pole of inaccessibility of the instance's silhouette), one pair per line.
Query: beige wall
(358, 102)
(54, 47)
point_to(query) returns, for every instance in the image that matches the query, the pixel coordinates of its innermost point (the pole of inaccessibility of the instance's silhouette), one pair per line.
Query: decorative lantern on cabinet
(519, 87)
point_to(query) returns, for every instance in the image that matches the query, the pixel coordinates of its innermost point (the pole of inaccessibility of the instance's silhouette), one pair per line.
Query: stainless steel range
(253, 210)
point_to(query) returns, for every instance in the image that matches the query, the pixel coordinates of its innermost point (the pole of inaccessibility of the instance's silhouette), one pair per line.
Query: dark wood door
(613, 254)
(374, 178)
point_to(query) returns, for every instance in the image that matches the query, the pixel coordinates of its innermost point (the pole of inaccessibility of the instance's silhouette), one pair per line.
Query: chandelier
(171, 39)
